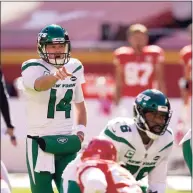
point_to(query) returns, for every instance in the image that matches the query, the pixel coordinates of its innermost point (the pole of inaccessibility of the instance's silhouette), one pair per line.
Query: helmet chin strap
(147, 131)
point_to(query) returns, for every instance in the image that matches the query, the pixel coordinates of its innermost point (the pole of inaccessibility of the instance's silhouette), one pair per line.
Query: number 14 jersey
(50, 112)
(138, 70)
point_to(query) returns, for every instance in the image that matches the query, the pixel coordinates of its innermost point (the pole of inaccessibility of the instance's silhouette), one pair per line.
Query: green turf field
(23, 190)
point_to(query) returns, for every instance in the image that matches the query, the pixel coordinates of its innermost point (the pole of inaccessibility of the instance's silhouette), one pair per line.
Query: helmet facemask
(56, 59)
(148, 125)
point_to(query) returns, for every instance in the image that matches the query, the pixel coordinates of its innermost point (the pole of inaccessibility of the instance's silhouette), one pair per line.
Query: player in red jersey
(186, 81)
(138, 66)
(185, 84)
(98, 171)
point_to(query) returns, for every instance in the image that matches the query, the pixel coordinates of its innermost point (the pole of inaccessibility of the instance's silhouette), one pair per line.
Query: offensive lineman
(144, 142)
(137, 67)
(51, 85)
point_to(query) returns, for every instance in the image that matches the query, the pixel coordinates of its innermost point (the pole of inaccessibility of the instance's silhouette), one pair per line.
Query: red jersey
(138, 70)
(186, 57)
(118, 179)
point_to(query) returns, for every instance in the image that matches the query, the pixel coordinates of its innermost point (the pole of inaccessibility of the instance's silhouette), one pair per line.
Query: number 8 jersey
(50, 111)
(138, 70)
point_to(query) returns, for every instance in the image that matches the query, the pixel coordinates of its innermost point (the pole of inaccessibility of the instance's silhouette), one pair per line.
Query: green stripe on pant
(187, 152)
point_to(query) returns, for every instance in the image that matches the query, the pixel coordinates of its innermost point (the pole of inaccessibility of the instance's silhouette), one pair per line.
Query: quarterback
(52, 85)
(144, 142)
(137, 67)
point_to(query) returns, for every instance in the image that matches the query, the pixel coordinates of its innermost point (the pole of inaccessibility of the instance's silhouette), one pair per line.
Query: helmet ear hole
(153, 105)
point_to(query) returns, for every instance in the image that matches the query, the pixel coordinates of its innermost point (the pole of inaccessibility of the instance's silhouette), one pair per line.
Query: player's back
(138, 70)
(50, 111)
(118, 179)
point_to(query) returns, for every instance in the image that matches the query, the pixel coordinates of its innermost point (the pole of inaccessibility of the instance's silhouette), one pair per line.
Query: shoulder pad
(120, 124)
(123, 50)
(76, 65)
(185, 50)
(33, 62)
(153, 49)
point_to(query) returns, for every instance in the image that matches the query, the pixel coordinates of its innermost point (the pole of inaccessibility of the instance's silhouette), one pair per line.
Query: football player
(4, 187)
(5, 181)
(187, 149)
(137, 67)
(143, 142)
(5, 110)
(98, 171)
(52, 84)
(185, 84)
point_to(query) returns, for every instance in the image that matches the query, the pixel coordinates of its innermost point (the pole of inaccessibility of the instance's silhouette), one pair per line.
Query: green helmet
(152, 101)
(53, 34)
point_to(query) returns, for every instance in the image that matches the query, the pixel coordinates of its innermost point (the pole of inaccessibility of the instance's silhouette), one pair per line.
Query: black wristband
(13, 137)
(10, 126)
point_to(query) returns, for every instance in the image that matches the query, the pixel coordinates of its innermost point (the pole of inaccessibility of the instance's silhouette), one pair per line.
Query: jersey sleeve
(158, 53)
(78, 72)
(183, 54)
(32, 71)
(117, 132)
(158, 176)
(93, 180)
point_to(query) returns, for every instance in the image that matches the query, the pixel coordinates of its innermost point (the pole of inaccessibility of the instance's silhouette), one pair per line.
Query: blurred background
(95, 29)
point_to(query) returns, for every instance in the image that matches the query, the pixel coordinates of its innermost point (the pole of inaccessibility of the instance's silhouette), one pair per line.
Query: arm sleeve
(158, 176)
(93, 180)
(79, 72)
(4, 103)
(30, 74)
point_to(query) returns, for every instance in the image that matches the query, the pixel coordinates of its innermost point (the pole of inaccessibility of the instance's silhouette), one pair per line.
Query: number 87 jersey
(50, 111)
(138, 72)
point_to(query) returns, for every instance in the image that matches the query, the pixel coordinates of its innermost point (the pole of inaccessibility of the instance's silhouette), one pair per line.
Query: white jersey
(50, 112)
(138, 159)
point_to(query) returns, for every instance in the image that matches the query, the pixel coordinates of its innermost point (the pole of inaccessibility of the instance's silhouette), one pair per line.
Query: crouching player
(98, 172)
